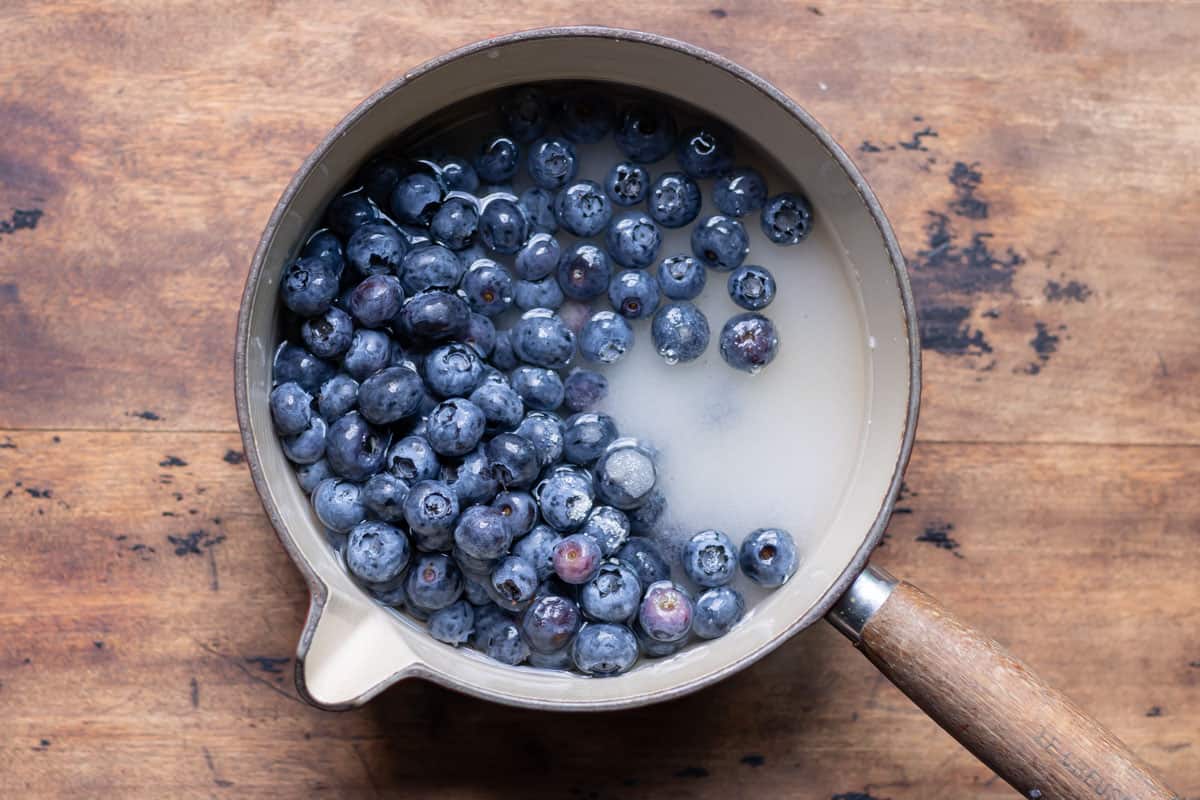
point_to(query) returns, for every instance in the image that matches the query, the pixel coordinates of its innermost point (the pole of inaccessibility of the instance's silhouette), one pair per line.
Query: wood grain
(1050, 499)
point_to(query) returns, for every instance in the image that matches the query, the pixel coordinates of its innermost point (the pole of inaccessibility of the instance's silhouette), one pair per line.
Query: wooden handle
(1032, 736)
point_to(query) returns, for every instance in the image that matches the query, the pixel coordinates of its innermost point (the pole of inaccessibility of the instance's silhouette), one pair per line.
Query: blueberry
(643, 557)
(577, 558)
(550, 622)
(453, 624)
(626, 183)
(717, 611)
(768, 557)
(430, 267)
(652, 648)
(625, 474)
(308, 286)
(582, 208)
(390, 395)
(749, 342)
(680, 332)
(434, 582)
(645, 518)
(376, 248)
(488, 288)
(552, 162)
(308, 445)
(376, 552)
(538, 548)
(379, 177)
(512, 460)
(416, 198)
(709, 558)
(389, 593)
(328, 335)
(585, 116)
(545, 430)
(609, 527)
(384, 494)
(434, 316)
(501, 405)
(538, 205)
(705, 152)
(583, 271)
(751, 287)
(412, 459)
(480, 334)
(355, 449)
(475, 589)
(338, 504)
(674, 200)
(431, 510)
(489, 620)
(739, 192)
(506, 645)
(309, 476)
(503, 227)
(455, 427)
(720, 242)
(666, 612)
(603, 650)
(565, 495)
(453, 370)
(605, 338)
(482, 532)
(291, 408)
(633, 240)
(513, 583)
(296, 364)
(498, 159)
(787, 218)
(633, 294)
(471, 480)
(583, 389)
(612, 595)
(541, 389)
(519, 510)
(540, 338)
(526, 112)
(586, 435)
(681, 277)
(415, 235)
(325, 244)
(503, 356)
(368, 353)
(645, 132)
(457, 174)
(348, 211)
(543, 293)
(376, 300)
(455, 223)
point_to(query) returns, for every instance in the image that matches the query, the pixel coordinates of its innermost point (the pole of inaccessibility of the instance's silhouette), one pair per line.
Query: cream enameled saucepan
(351, 648)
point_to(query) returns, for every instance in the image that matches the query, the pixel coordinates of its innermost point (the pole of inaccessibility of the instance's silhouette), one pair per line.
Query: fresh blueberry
(681, 277)
(787, 218)
(455, 427)
(376, 300)
(626, 183)
(475, 589)
(350, 210)
(709, 559)
(720, 242)
(585, 116)
(633, 240)
(526, 112)
(749, 342)
(705, 152)
(502, 354)
(680, 332)
(538, 548)
(430, 510)
(519, 511)
(309, 476)
(368, 353)
(325, 244)
(768, 557)
(455, 223)
(541, 389)
(328, 335)
(613, 595)
(645, 518)
(583, 271)
(625, 474)
(552, 162)
(355, 449)
(308, 286)
(605, 338)
(751, 287)
(415, 235)
(501, 405)
(458, 175)
(291, 408)
(308, 445)
(543, 293)
(488, 288)
(643, 557)
(586, 435)
(583, 389)
(453, 370)
(296, 364)
(384, 494)
(577, 558)
(390, 593)
(739, 192)
(377, 552)
(503, 227)
(390, 395)
(565, 495)
(609, 527)
(674, 200)
(513, 460)
(498, 159)
(603, 650)
(645, 132)
(480, 334)
(412, 459)
(506, 645)
(666, 612)
(430, 267)
(471, 479)
(538, 205)
(489, 618)
(434, 316)
(434, 582)
(379, 177)
(482, 532)
(513, 583)
(583, 209)
(633, 294)
(416, 198)
(652, 648)
(376, 248)
(550, 622)
(717, 611)
(338, 504)
(453, 624)
(540, 338)
(545, 430)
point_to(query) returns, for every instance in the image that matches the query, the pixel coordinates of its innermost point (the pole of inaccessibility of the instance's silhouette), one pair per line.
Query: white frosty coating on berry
(632, 470)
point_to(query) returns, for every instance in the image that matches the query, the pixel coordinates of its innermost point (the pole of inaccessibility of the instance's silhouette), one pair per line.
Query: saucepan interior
(352, 648)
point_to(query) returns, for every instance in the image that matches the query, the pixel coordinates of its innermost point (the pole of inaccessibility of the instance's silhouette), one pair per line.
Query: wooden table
(1040, 163)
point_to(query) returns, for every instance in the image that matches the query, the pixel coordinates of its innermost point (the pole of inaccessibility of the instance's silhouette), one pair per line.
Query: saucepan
(352, 648)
